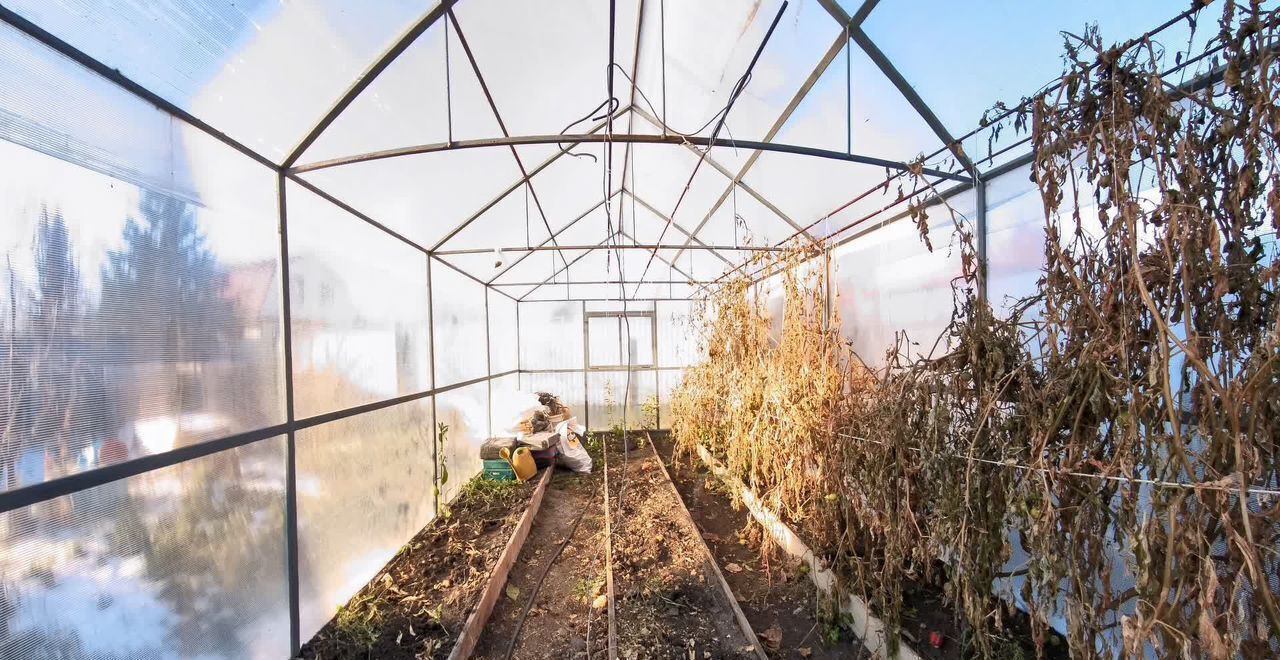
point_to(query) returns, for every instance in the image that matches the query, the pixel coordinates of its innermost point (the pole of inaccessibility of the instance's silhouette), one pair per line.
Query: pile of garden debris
(546, 426)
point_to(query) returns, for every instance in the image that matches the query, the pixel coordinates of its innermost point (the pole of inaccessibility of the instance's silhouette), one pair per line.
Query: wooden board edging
(471, 630)
(870, 629)
(711, 561)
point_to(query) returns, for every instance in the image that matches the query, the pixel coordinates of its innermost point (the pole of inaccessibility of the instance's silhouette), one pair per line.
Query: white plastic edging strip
(869, 628)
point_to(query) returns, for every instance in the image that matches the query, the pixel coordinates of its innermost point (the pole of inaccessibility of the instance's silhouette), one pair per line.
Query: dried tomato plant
(1117, 431)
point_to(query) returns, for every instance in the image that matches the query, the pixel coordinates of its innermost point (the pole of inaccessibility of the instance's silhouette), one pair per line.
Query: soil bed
(668, 599)
(415, 607)
(764, 591)
(779, 599)
(562, 618)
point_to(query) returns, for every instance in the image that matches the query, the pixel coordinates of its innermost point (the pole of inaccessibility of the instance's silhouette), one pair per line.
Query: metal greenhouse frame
(961, 173)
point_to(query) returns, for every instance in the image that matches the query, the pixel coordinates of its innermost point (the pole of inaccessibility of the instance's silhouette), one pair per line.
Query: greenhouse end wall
(613, 365)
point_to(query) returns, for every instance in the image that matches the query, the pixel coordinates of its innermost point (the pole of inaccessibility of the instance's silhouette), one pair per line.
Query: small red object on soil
(936, 639)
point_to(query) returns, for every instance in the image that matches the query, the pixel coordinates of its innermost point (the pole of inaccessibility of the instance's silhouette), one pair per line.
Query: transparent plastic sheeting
(504, 347)
(466, 412)
(458, 321)
(359, 303)
(365, 487)
(144, 344)
(187, 560)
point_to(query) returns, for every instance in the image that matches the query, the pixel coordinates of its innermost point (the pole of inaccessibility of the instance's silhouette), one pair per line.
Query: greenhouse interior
(639, 329)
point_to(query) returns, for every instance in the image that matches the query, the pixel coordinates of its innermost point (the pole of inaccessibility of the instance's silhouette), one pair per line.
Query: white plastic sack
(572, 454)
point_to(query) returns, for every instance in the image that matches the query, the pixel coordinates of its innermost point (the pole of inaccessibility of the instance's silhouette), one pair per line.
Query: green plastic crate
(498, 470)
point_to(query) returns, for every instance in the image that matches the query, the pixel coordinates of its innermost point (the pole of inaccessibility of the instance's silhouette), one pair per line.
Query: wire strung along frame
(1118, 427)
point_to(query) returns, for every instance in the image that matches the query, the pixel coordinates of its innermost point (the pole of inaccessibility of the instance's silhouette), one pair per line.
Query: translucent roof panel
(44, 98)
(643, 226)
(788, 181)
(589, 228)
(540, 266)
(570, 185)
(425, 196)
(658, 174)
(854, 107)
(688, 69)
(962, 60)
(513, 220)
(605, 265)
(288, 61)
(416, 100)
(743, 221)
(699, 264)
(546, 64)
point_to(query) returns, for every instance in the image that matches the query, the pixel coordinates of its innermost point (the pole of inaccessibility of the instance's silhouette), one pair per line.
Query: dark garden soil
(779, 599)
(668, 604)
(669, 601)
(415, 607)
(781, 602)
(563, 620)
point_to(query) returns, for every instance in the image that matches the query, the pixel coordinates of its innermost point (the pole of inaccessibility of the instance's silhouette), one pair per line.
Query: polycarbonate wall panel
(466, 412)
(619, 305)
(620, 340)
(551, 335)
(570, 386)
(187, 561)
(608, 392)
(1015, 237)
(458, 319)
(668, 381)
(250, 69)
(504, 342)
(503, 405)
(359, 309)
(604, 348)
(140, 258)
(888, 282)
(677, 334)
(545, 69)
(365, 487)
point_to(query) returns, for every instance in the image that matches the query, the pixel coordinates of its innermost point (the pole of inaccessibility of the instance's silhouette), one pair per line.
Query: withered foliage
(1119, 429)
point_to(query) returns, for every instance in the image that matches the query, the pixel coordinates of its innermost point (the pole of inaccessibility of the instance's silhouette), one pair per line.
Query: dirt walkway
(779, 600)
(562, 618)
(669, 601)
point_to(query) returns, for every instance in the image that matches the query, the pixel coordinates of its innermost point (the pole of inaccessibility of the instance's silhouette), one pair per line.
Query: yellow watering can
(521, 462)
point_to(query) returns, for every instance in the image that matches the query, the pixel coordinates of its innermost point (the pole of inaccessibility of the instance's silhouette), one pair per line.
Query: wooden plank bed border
(471, 630)
(711, 561)
(869, 628)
